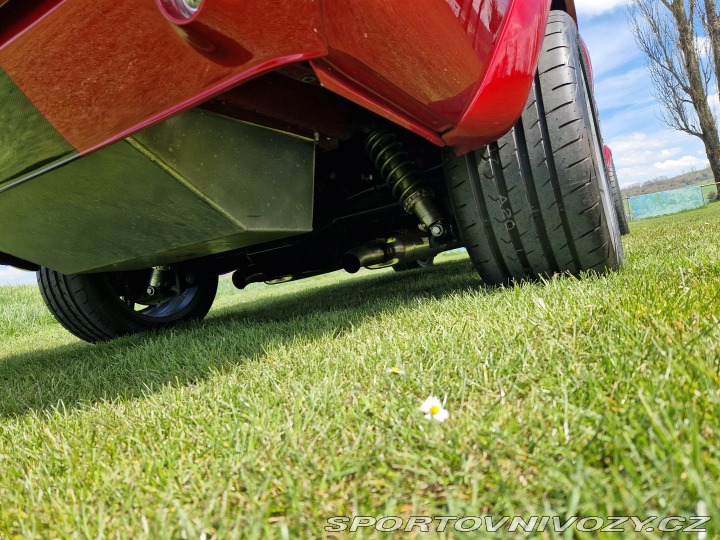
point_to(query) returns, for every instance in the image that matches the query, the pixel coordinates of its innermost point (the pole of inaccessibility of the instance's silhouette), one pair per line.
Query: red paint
(204, 95)
(499, 102)
(608, 154)
(452, 71)
(18, 16)
(99, 70)
(337, 83)
(417, 57)
(588, 64)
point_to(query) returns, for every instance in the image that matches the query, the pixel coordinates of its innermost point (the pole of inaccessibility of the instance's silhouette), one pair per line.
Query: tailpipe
(242, 279)
(391, 251)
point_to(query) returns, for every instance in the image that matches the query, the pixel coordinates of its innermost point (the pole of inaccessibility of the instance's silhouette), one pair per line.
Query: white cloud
(640, 141)
(703, 46)
(685, 162)
(641, 156)
(592, 8)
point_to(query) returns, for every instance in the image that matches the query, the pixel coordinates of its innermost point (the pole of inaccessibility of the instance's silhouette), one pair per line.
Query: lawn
(592, 397)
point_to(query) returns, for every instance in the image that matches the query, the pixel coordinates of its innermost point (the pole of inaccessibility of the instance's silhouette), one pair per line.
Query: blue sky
(11, 276)
(643, 148)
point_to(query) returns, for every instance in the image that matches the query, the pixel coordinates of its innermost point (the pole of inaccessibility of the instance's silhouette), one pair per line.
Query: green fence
(709, 192)
(673, 201)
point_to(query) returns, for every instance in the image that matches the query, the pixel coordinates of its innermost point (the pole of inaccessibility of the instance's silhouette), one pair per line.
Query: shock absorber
(403, 178)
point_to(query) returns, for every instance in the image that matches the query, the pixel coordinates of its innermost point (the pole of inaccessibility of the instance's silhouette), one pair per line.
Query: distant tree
(666, 31)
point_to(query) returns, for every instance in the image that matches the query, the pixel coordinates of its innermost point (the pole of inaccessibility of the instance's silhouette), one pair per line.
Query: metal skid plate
(193, 185)
(28, 142)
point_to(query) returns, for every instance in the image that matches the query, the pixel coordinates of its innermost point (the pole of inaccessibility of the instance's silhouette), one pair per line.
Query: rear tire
(537, 202)
(617, 199)
(91, 307)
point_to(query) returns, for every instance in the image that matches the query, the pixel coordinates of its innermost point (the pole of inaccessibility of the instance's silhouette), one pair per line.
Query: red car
(148, 147)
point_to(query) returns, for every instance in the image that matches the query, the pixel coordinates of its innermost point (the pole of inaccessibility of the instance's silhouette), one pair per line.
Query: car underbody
(329, 160)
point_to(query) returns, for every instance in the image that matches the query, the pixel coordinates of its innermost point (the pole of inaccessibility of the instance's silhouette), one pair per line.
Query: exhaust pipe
(395, 250)
(241, 279)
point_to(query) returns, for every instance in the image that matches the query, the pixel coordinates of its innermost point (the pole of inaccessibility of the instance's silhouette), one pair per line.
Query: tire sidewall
(606, 194)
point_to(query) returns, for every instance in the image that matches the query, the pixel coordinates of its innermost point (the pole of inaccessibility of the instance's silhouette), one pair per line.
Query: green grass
(590, 397)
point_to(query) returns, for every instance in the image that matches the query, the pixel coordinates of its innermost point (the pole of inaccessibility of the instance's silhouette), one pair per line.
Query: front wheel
(538, 202)
(100, 307)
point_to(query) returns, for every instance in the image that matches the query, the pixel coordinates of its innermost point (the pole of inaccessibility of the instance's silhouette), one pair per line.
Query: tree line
(701, 177)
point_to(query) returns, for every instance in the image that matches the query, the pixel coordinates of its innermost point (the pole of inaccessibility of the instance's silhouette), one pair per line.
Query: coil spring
(396, 168)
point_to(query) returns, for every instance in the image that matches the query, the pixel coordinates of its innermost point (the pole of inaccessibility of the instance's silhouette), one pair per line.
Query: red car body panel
(608, 154)
(101, 70)
(455, 72)
(497, 104)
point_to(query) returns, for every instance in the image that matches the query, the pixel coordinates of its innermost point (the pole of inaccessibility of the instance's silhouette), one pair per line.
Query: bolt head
(437, 230)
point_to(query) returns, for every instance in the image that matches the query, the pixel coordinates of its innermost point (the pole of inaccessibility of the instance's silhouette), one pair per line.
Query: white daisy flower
(396, 371)
(433, 409)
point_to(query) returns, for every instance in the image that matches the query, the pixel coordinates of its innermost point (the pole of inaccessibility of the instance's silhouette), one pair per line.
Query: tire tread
(537, 190)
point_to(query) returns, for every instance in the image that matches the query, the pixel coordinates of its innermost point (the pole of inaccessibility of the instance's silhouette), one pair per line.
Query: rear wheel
(537, 202)
(100, 307)
(617, 198)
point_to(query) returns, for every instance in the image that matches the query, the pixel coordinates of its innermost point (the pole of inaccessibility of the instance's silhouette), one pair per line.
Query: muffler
(391, 251)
